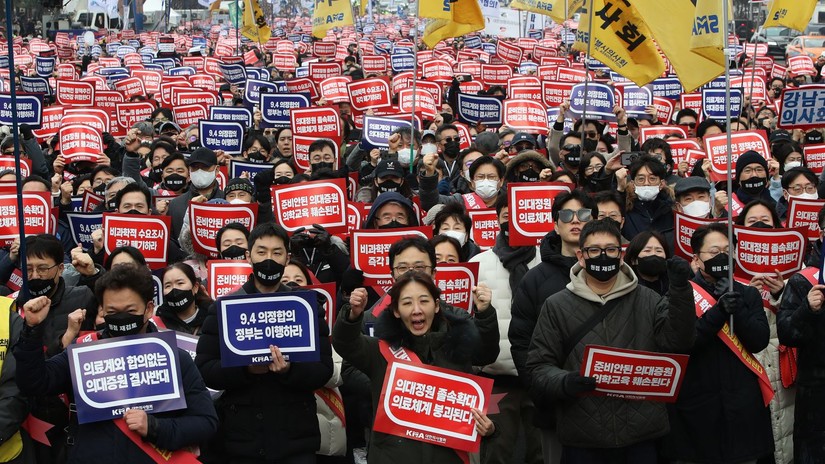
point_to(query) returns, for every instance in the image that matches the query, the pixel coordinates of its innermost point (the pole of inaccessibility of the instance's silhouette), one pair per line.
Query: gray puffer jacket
(642, 320)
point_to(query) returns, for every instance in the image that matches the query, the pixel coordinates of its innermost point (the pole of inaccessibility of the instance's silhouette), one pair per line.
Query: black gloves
(730, 302)
(575, 384)
(722, 286)
(26, 131)
(301, 238)
(352, 279)
(263, 184)
(678, 271)
(322, 237)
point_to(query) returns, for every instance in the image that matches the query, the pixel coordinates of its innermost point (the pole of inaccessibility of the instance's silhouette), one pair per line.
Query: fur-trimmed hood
(453, 332)
(526, 155)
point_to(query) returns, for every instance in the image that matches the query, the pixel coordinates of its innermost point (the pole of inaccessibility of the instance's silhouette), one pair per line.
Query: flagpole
(415, 81)
(586, 70)
(725, 21)
(24, 289)
(237, 28)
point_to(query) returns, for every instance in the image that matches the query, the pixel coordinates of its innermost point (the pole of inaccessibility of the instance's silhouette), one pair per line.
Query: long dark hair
(202, 299)
(408, 278)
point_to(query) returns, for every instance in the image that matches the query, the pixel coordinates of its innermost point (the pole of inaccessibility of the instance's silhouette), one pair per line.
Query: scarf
(514, 259)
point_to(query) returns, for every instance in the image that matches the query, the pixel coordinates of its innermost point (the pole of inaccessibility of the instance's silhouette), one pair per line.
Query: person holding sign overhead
(125, 294)
(429, 334)
(268, 410)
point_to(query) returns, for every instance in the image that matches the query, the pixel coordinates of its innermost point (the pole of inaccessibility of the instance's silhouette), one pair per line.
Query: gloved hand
(352, 279)
(322, 237)
(722, 286)
(109, 140)
(575, 384)
(26, 131)
(300, 239)
(263, 184)
(730, 302)
(678, 271)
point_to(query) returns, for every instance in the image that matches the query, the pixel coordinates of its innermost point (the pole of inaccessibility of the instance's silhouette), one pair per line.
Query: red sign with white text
(660, 132)
(804, 214)
(334, 89)
(764, 251)
(685, 227)
(149, 234)
(456, 282)
(525, 116)
(814, 156)
(226, 275)
(801, 65)
(369, 94)
(322, 202)
(425, 103)
(555, 93)
(206, 220)
(37, 217)
(75, 93)
(716, 147)
(485, 227)
(79, 142)
(370, 251)
(129, 114)
(496, 74)
(530, 210)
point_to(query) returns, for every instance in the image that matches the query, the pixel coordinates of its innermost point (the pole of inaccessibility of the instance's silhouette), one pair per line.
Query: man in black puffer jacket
(558, 256)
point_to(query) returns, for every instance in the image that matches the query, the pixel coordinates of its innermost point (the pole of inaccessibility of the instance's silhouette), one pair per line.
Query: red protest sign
(186, 115)
(554, 93)
(716, 147)
(685, 226)
(680, 149)
(130, 87)
(814, 156)
(355, 213)
(530, 210)
(327, 290)
(432, 405)
(320, 71)
(8, 162)
(425, 103)
(368, 94)
(191, 96)
(322, 202)
(660, 132)
(763, 251)
(129, 114)
(802, 65)
(310, 124)
(149, 234)
(334, 89)
(37, 217)
(92, 117)
(754, 86)
(634, 375)
(206, 220)
(485, 227)
(509, 52)
(692, 101)
(203, 81)
(804, 214)
(323, 49)
(108, 99)
(432, 87)
(526, 116)
(226, 275)
(571, 74)
(664, 108)
(370, 251)
(525, 92)
(52, 115)
(75, 93)
(91, 201)
(437, 71)
(302, 85)
(374, 64)
(456, 282)
(496, 74)
(79, 142)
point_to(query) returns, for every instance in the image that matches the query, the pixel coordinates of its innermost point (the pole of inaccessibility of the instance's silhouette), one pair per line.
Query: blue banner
(153, 66)
(110, 71)
(198, 41)
(714, 104)
(249, 324)
(472, 42)
(167, 63)
(383, 47)
(111, 48)
(598, 102)
(489, 47)
(667, 87)
(401, 50)
(35, 85)
(294, 38)
(636, 99)
(77, 204)
(528, 67)
(125, 50)
(81, 226)
(236, 168)
(233, 73)
(147, 58)
(263, 75)
(44, 66)
(254, 90)
(4, 61)
(473, 109)
(29, 110)
(112, 78)
(275, 107)
(221, 135)
(377, 131)
(402, 62)
(133, 43)
(302, 71)
(113, 375)
(718, 83)
(239, 114)
(182, 71)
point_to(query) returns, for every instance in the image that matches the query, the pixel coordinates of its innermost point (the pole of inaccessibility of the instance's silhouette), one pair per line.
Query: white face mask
(806, 196)
(466, 174)
(698, 209)
(792, 164)
(404, 157)
(460, 236)
(202, 178)
(647, 192)
(237, 201)
(486, 188)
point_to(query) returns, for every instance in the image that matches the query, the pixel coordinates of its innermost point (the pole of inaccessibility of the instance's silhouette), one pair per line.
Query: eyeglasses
(452, 139)
(584, 215)
(40, 270)
(479, 177)
(592, 169)
(776, 88)
(404, 268)
(160, 120)
(797, 189)
(692, 125)
(591, 134)
(757, 170)
(615, 215)
(595, 252)
(715, 251)
(649, 180)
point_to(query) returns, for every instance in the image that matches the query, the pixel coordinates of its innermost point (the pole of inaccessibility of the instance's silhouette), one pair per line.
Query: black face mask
(292, 284)
(175, 182)
(717, 267)
(121, 324)
(529, 175)
(234, 252)
(99, 327)
(268, 272)
(753, 186)
(111, 205)
(761, 225)
(393, 225)
(133, 211)
(599, 181)
(572, 159)
(322, 165)
(100, 189)
(652, 265)
(602, 268)
(194, 145)
(178, 300)
(41, 287)
(389, 186)
(257, 157)
(504, 227)
(156, 174)
(283, 180)
(451, 149)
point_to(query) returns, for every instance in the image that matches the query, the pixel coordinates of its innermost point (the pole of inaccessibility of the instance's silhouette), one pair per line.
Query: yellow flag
(436, 9)
(329, 14)
(254, 23)
(466, 18)
(362, 7)
(671, 23)
(553, 8)
(620, 40)
(214, 5)
(795, 14)
(708, 35)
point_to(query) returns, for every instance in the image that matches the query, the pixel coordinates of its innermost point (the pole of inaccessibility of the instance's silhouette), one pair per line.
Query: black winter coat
(172, 322)
(798, 326)
(651, 215)
(265, 417)
(720, 415)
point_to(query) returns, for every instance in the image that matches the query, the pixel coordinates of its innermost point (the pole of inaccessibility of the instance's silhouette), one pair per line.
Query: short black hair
(740, 220)
(686, 112)
(126, 277)
(600, 226)
(320, 144)
(268, 229)
(610, 196)
(172, 158)
(44, 246)
(500, 168)
(794, 173)
(419, 243)
(35, 178)
(105, 169)
(231, 226)
(501, 203)
(452, 210)
(563, 198)
(77, 181)
(568, 135)
(656, 167)
(640, 241)
(701, 233)
(707, 124)
(134, 187)
(257, 137)
(160, 143)
(656, 143)
(136, 255)
(442, 128)
(439, 239)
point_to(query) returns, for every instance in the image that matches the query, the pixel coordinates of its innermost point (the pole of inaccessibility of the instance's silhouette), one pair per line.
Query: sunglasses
(692, 125)
(584, 215)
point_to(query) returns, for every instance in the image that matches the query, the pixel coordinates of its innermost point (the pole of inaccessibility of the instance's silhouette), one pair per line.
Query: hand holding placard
(576, 384)
(137, 421)
(36, 310)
